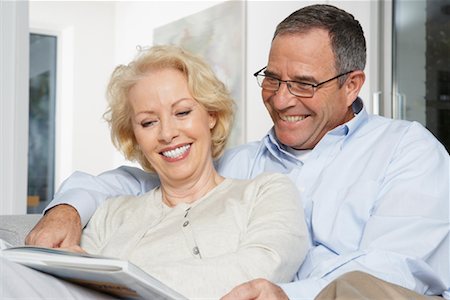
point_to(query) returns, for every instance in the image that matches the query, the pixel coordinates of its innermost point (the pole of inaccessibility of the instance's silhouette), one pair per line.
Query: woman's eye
(183, 113)
(147, 123)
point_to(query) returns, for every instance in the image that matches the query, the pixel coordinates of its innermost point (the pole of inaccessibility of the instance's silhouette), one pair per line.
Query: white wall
(367, 13)
(134, 26)
(135, 23)
(86, 29)
(262, 18)
(13, 106)
(105, 34)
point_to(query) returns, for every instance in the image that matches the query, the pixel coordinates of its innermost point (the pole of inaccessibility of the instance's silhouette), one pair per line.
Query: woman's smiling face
(172, 129)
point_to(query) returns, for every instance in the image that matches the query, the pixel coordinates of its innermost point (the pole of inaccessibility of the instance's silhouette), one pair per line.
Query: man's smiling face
(299, 122)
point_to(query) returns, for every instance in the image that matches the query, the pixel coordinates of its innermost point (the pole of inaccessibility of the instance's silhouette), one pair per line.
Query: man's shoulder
(248, 149)
(397, 134)
(237, 161)
(388, 126)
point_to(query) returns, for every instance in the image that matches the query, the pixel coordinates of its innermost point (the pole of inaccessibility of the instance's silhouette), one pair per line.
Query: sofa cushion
(14, 228)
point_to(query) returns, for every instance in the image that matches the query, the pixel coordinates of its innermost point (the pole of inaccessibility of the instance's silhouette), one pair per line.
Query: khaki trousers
(361, 286)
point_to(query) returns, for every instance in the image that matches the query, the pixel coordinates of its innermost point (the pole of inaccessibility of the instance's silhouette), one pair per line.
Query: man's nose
(283, 98)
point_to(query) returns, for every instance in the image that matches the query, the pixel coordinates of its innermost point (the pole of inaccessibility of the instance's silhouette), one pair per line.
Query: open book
(109, 275)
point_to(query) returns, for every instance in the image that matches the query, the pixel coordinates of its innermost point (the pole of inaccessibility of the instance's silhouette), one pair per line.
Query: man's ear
(353, 85)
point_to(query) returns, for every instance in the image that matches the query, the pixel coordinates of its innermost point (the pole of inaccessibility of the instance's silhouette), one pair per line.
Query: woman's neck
(190, 189)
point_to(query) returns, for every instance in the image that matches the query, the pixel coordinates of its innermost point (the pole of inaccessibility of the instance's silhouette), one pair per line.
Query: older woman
(197, 232)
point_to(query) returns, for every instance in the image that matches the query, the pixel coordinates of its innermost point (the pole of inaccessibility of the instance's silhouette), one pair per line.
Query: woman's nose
(168, 131)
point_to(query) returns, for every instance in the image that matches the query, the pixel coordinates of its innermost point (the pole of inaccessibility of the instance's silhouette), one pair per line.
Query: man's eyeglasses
(296, 88)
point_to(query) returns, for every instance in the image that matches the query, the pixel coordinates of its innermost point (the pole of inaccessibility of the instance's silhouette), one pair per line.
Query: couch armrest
(14, 228)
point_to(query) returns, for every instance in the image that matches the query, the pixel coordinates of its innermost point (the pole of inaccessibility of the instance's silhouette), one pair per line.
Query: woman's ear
(212, 120)
(353, 85)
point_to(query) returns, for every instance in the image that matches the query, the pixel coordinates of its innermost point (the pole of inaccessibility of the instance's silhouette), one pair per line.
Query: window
(41, 145)
(422, 64)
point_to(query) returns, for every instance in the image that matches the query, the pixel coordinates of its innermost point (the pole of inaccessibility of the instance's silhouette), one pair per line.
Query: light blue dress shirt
(375, 193)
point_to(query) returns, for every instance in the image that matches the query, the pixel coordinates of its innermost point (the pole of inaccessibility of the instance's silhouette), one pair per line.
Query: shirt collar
(361, 116)
(274, 146)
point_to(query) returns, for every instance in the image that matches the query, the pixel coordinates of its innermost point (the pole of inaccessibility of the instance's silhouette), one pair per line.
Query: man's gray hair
(346, 34)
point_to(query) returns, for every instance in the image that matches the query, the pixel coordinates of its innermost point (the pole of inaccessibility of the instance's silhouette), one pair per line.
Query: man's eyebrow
(299, 78)
(268, 73)
(305, 79)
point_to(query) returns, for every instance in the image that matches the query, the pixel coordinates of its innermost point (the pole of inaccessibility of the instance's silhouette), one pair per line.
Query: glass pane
(422, 64)
(41, 148)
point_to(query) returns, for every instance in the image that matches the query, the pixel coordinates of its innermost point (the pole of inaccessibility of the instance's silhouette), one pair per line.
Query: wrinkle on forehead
(302, 55)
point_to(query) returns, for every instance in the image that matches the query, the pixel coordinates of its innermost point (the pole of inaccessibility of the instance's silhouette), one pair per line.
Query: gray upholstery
(14, 228)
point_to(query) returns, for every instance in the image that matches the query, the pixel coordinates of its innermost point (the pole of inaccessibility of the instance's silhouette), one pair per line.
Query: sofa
(14, 228)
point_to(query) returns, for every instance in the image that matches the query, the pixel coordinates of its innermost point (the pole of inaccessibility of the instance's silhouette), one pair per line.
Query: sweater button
(185, 223)
(195, 251)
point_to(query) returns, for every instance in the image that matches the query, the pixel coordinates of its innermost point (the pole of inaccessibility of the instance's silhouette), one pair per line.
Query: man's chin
(286, 138)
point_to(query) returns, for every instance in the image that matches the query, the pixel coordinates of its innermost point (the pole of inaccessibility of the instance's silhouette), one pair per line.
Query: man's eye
(299, 86)
(272, 81)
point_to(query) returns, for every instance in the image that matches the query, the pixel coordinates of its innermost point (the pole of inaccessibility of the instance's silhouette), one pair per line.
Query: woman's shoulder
(128, 204)
(265, 178)
(265, 184)
(273, 176)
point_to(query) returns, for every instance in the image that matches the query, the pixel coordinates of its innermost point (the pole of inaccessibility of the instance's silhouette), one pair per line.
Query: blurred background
(57, 56)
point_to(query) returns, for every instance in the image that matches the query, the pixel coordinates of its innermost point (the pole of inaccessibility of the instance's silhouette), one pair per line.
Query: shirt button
(195, 251)
(185, 223)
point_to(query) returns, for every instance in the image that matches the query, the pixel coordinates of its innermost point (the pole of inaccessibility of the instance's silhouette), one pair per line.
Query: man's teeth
(292, 118)
(176, 152)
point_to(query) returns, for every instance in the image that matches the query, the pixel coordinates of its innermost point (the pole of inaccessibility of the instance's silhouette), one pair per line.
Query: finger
(44, 234)
(38, 237)
(60, 226)
(72, 238)
(76, 249)
(43, 238)
(46, 241)
(245, 291)
(29, 239)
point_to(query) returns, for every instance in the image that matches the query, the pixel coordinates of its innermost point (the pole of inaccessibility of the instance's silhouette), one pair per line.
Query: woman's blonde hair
(203, 84)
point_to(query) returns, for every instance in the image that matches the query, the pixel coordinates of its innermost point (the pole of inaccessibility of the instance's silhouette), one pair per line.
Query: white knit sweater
(240, 230)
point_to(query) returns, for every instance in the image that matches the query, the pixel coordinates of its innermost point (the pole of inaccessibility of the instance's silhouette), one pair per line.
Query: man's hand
(75, 248)
(257, 289)
(60, 227)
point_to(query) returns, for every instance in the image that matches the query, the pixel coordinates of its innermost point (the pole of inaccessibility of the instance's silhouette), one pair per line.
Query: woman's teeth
(176, 152)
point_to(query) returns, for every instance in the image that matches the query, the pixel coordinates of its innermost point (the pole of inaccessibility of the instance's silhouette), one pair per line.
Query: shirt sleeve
(86, 192)
(405, 240)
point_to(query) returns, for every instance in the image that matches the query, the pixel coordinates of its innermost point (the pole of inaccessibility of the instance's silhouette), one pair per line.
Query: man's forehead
(301, 55)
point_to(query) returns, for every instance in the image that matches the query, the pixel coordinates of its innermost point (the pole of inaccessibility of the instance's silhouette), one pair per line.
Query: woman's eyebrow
(183, 99)
(144, 112)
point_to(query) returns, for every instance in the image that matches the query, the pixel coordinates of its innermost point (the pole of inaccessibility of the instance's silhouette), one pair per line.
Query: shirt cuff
(305, 289)
(75, 199)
